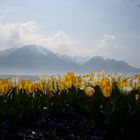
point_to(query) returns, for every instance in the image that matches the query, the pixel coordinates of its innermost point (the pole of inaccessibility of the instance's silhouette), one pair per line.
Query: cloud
(107, 41)
(109, 47)
(58, 42)
(20, 34)
(105, 44)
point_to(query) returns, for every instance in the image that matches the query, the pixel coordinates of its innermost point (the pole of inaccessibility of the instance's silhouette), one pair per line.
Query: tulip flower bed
(94, 106)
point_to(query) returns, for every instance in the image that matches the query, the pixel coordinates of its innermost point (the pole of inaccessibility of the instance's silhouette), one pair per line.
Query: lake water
(29, 77)
(35, 77)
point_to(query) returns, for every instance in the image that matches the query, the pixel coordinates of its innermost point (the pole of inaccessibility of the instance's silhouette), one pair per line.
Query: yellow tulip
(106, 87)
(122, 84)
(41, 86)
(50, 85)
(106, 91)
(61, 86)
(89, 91)
(24, 84)
(29, 88)
(4, 88)
(77, 82)
(4, 81)
(36, 86)
(138, 76)
(104, 82)
(137, 97)
(138, 85)
(82, 86)
(68, 84)
(70, 76)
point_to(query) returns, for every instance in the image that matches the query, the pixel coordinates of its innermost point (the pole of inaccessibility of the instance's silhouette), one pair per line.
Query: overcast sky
(107, 28)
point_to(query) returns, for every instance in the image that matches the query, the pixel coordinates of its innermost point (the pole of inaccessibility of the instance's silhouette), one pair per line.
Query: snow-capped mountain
(33, 59)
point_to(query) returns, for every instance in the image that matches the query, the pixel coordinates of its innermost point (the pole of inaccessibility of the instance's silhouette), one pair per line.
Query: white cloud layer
(107, 41)
(20, 34)
(102, 46)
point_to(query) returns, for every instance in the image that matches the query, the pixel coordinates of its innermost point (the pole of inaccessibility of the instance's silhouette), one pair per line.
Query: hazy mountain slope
(33, 59)
(109, 65)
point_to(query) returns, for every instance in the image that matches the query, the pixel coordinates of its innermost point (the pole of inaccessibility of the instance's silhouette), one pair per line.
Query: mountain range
(33, 59)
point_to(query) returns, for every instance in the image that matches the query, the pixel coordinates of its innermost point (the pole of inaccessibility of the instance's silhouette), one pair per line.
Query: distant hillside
(33, 59)
(109, 65)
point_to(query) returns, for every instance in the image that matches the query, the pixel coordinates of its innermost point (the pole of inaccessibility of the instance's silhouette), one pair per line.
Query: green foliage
(108, 113)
